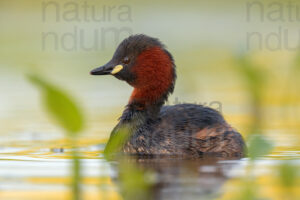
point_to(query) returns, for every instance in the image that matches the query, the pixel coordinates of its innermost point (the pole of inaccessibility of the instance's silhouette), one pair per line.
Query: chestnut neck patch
(155, 72)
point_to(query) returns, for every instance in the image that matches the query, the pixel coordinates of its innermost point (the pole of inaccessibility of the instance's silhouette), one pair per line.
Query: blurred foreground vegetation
(135, 183)
(258, 90)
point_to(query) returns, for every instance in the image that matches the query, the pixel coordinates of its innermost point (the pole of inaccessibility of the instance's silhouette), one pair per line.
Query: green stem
(76, 176)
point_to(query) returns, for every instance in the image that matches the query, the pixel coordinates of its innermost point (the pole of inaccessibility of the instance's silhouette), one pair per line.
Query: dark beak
(103, 70)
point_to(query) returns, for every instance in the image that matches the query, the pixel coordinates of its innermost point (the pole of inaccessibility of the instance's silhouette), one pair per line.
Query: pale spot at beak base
(116, 69)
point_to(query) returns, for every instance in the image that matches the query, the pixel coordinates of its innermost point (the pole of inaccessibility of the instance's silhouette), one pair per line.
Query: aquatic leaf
(60, 105)
(116, 141)
(253, 76)
(259, 146)
(134, 182)
(287, 174)
(248, 190)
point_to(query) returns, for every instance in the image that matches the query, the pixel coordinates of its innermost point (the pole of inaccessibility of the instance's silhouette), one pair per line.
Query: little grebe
(154, 129)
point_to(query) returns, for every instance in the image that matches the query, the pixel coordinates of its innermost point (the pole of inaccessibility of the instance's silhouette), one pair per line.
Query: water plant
(67, 115)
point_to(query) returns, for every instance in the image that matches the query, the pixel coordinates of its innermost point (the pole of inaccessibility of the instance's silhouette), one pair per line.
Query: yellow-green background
(205, 38)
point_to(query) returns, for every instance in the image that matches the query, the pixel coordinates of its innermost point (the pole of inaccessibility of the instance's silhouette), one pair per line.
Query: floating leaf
(59, 105)
(259, 146)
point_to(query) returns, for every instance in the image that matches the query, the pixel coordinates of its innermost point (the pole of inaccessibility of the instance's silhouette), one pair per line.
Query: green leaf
(287, 174)
(116, 141)
(254, 76)
(247, 190)
(259, 146)
(59, 105)
(297, 59)
(135, 182)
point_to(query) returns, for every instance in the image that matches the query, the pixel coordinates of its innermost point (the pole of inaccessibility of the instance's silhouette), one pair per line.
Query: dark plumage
(154, 129)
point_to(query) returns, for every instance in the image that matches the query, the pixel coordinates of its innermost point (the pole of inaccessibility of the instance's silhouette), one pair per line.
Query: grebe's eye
(126, 60)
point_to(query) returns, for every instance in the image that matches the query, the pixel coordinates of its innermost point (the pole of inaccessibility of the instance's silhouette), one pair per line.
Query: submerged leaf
(59, 105)
(259, 146)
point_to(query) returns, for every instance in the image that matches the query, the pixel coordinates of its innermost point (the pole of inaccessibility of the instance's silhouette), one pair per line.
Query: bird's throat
(155, 74)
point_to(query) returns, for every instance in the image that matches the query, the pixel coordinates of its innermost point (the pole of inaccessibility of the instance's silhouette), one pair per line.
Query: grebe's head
(145, 64)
